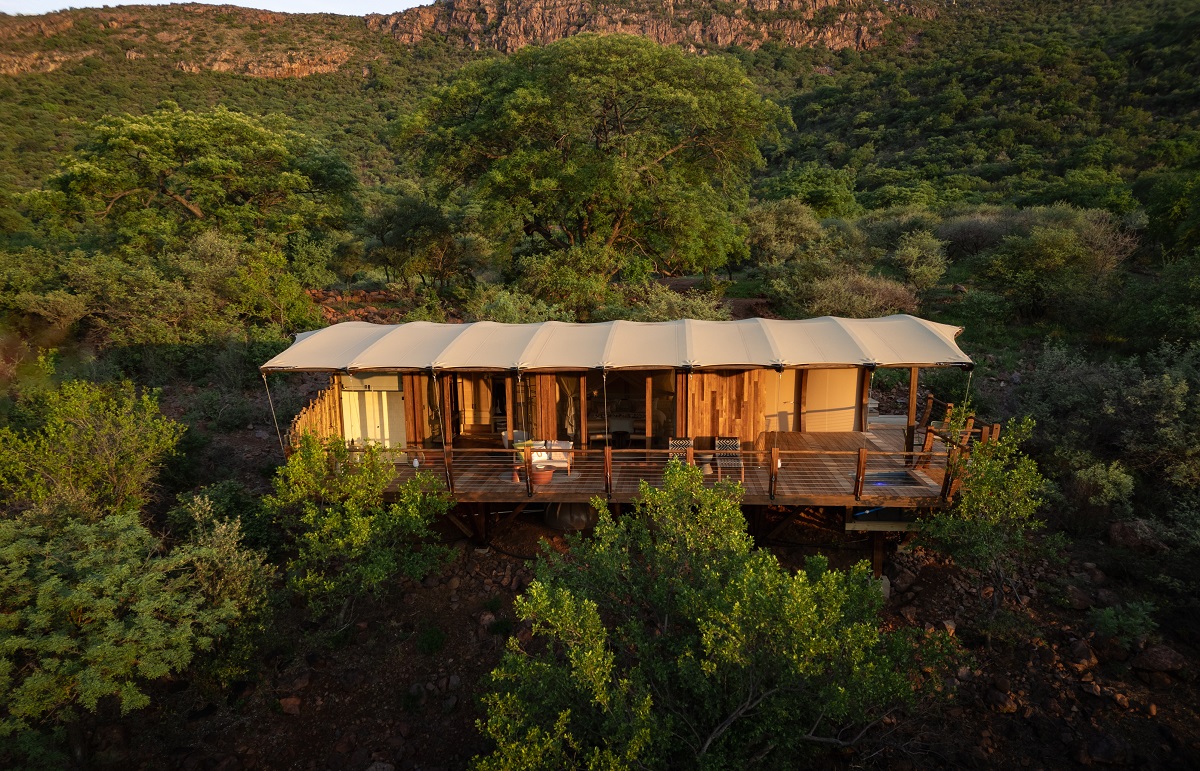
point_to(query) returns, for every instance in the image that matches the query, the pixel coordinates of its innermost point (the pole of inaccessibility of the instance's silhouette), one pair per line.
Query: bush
(922, 258)
(92, 603)
(90, 450)
(347, 540)
(860, 296)
(93, 609)
(653, 301)
(990, 528)
(511, 306)
(667, 640)
(781, 230)
(969, 234)
(1064, 264)
(1124, 623)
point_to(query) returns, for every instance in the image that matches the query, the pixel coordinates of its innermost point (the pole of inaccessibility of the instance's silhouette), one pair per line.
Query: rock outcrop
(507, 25)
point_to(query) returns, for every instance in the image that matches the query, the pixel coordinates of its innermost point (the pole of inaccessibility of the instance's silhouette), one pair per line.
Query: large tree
(149, 181)
(604, 140)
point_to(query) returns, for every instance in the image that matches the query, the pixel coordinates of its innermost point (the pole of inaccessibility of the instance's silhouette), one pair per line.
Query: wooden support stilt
(512, 515)
(480, 515)
(462, 526)
(877, 553)
(793, 512)
(910, 433)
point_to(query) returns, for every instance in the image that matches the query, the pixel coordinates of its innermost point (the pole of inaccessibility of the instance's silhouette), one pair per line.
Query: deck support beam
(877, 553)
(457, 522)
(789, 518)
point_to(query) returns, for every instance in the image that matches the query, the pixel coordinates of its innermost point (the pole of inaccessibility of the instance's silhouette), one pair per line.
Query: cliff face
(507, 25)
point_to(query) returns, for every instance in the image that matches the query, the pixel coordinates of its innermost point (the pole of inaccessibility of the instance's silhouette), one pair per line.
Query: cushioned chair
(729, 456)
(554, 454)
(677, 447)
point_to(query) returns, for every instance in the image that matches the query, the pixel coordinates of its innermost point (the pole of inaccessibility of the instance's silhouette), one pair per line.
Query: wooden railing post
(860, 473)
(608, 471)
(449, 463)
(527, 450)
(774, 477)
(948, 479)
(691, 456)
(927, 415)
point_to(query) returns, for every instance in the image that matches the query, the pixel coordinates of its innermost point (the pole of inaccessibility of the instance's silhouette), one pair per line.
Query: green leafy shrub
(860, 296)
(653, 301)
(921, 256)
(511, 306)
(93, 605)
(91, 450)
(1124, 623)
(347, 540)
(990, 528)
(667, 639)
(94, 609)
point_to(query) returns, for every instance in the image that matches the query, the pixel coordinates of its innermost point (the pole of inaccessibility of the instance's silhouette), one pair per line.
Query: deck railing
(765, 475)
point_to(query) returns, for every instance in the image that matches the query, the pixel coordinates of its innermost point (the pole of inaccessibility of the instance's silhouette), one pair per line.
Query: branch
(834, 740)
(750, 703)
(185, 203)
(664, 156)
(118, 197)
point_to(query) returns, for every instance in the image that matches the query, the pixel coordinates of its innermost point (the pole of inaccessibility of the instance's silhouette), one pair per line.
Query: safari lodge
(509, 414)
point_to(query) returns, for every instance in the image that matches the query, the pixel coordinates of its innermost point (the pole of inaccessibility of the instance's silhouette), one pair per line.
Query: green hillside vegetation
(1030, 171)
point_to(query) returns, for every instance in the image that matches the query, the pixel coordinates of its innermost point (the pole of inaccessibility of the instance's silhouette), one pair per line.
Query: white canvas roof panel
(893, 341)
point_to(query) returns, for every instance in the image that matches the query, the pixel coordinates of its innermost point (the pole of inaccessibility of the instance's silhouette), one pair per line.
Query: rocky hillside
(191, 38)
(507, 25)
(199, 38)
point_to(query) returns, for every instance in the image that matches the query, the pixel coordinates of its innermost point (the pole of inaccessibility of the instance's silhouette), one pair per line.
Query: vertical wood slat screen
(322, 417)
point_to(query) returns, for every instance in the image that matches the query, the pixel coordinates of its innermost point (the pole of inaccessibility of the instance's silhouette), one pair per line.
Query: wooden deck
(819, 469)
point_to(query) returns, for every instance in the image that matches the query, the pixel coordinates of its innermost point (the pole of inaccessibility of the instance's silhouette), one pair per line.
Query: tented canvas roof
(356, 346)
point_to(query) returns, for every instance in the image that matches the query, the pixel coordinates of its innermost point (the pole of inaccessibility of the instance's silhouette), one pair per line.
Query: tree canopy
(610, 140)
(149, 180)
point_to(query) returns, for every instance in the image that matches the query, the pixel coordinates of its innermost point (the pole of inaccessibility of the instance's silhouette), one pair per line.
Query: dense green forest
(1029, 171)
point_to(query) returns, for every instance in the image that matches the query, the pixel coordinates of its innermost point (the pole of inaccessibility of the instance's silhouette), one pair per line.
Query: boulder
(1135, 535)
(290, 705)
(1081, 656)
(904, 581)
(1078, 598)
(1000, 701)
(1159, 658)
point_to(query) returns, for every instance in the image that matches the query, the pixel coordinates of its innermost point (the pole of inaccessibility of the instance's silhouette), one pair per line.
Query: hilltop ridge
(230, 39)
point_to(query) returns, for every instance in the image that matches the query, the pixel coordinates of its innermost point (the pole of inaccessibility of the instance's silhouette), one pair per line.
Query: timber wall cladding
(322, 417)
(725, 403)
